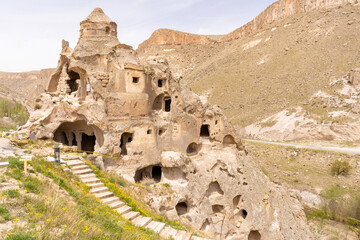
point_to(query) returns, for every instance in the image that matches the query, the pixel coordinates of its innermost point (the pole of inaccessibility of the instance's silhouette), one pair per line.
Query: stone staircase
(107, 197)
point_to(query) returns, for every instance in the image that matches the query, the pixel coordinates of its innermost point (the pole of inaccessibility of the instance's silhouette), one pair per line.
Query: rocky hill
(26, 86)
(270, 70)
(172, 37)
(280, 10)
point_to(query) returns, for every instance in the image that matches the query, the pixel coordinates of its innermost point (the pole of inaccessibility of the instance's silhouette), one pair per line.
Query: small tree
(340, 168)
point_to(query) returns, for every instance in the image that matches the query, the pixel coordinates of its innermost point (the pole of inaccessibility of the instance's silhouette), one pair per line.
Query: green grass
(75, 213)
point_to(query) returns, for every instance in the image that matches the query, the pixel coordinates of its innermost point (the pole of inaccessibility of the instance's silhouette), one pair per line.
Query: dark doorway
(254, 235)
(167, 101)
(60, 136)
(160, 83)
(156, 173)
(88, 143)
(204, 131)
(125, 138)
(74, 142)
(181, 208)
(72, 82)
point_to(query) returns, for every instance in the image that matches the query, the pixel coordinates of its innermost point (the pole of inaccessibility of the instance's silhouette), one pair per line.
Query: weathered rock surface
(280, 10)
(24, 87)
(100, 99)
(172, 37)
(323, 117)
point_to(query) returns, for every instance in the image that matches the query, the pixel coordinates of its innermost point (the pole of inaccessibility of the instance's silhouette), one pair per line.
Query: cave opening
(167, 101)
(156, 173)
(181, 208)
(125, 138)
(254, 235)
(88, 142)
(204, 130)
(73, 85)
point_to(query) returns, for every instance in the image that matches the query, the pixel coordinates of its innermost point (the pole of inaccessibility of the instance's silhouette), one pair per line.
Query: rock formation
(172, 37)
(101, 99)
(280, 10)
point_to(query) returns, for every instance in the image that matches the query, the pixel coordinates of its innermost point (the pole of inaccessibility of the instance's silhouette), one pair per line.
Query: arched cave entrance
(181, 208)
(125, 139)
(193, 149)
(254, 235)
(73, 85)
(79, 134)
(150, 172)
(162, 102)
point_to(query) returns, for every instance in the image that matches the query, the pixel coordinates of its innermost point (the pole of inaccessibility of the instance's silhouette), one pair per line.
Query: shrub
(11, 193)
(37, 106)
(20, 236)
(121, 182)
(32, 184)
(340, 168)
(4, 213)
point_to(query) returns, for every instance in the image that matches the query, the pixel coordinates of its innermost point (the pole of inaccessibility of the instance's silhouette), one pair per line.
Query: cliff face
(280, 10)
(167, 36)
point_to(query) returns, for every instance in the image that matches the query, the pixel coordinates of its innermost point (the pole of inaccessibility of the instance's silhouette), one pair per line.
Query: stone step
(99, 190)
(82, 171)
(89, 175)
(116, 204)
(70, 157)
(157, 226)
(130, 215)
(141, 221)
(167, 232)
(124, 209)
(110, 200)
(74, 163)
(104, 195)
(95, 185)
(91, 180)
(79, 167)
(180, 235)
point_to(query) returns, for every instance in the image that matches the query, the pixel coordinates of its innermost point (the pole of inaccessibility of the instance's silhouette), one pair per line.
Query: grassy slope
(299, 60)
(39, 210)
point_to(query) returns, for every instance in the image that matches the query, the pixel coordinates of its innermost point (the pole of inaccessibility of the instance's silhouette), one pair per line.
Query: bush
(37, 106)
(12, 193)
(20, 236)
(340, 168)
(4, 213)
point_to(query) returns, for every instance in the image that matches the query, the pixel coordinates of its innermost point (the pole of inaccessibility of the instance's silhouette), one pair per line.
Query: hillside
(24, 87)
(256, 76)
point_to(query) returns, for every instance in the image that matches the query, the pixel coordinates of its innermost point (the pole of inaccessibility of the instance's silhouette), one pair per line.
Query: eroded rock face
(280, 10)
(101, 99)
(172, 37)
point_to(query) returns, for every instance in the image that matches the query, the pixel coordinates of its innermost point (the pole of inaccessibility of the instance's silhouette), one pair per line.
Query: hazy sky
(31, 31)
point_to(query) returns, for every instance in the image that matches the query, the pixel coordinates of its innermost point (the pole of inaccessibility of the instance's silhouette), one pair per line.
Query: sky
(31, 31)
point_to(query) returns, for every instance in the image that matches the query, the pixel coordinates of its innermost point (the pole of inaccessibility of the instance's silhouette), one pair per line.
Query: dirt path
(328, 149)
